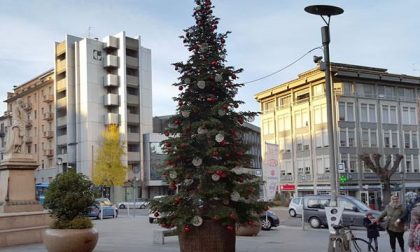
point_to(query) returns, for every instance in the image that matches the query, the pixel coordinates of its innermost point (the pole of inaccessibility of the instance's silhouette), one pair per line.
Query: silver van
(353, 214)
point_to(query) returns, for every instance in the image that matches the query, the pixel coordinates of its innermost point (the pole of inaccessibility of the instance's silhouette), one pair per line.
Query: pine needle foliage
(205, 150)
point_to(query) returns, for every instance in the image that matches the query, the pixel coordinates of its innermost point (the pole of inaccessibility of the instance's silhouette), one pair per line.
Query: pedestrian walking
(414, 236)
(395, 227)
(372, 229)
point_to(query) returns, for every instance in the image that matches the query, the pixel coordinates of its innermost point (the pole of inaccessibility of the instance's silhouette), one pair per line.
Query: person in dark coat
(372, 228)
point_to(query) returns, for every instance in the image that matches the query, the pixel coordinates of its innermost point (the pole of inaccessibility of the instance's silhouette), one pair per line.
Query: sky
(267, 35)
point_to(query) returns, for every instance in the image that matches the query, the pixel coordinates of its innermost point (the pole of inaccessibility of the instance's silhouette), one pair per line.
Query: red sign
(287, 187)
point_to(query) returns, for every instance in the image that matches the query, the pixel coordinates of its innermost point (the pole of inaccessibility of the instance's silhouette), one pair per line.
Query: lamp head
(324, 10)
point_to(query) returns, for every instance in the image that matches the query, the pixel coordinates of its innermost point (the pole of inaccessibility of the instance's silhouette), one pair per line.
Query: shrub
(68, 197)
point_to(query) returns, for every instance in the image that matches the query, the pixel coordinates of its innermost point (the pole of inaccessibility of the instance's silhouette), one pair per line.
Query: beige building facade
(374, 112)
(38, 97)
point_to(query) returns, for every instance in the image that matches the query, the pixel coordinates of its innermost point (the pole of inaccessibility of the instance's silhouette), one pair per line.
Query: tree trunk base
(209, 237)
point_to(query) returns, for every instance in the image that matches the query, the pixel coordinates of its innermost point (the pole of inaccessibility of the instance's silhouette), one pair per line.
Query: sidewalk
(130, 234)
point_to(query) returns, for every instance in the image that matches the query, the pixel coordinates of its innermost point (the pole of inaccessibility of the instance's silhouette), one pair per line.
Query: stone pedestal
(17, 184)
(22, 218)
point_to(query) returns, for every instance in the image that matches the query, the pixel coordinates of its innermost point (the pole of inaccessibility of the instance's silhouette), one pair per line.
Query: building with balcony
(99, 83)
(38, 96)
(375, 112)
(93, 84)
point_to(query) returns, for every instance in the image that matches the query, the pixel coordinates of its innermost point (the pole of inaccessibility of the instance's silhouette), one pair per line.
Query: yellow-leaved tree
(109, 170)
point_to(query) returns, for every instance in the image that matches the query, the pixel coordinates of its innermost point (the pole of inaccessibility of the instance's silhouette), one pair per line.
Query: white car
(295, 206)
(138, 203)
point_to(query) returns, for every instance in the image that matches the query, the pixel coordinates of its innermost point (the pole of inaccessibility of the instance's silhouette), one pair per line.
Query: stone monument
(22, 218)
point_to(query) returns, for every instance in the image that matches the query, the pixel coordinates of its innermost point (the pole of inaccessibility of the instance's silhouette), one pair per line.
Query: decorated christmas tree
(205, 150)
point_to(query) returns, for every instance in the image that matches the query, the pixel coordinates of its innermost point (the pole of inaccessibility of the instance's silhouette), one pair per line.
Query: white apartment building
(97, 83)
(375, 112)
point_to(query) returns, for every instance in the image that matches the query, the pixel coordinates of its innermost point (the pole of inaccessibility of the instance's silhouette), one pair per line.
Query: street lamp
(328, 11)
(59, 164)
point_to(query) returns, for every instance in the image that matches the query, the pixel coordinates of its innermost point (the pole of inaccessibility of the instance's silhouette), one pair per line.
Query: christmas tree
(205, 151)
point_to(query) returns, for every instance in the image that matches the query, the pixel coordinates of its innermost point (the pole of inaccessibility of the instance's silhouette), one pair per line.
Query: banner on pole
(271, 170)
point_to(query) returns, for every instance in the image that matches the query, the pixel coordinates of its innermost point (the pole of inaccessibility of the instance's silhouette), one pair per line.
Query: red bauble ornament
(168, 144)
(211, 99)
(232, 215)
(187, 229)
(222, 41)
(233, 76)
(180, 88)
(214, 62)
(166, 133)
(219, 172)
(229, 227)
(177, 200)
(236, 105)
(180, 103)
(177, 122)
(215, 153)
(156, 214)
(250, 222)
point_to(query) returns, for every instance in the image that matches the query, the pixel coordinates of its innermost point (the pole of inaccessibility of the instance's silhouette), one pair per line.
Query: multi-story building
(375, 112)
(38, 97)
(94, 84)
(153, 183)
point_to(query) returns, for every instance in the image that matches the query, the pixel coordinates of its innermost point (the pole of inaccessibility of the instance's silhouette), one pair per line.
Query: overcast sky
(266, 36)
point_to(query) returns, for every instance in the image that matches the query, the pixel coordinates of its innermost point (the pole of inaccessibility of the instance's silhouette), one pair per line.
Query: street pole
(329, 89)
(328, 11)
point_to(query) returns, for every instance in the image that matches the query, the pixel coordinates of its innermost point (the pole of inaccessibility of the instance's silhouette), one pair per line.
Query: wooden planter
(248, 230)
(70, 240)
(211, 236)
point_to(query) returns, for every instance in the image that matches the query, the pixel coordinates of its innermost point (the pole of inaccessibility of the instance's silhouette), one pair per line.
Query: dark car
(353, 213)
(104, 204)
(268, 220)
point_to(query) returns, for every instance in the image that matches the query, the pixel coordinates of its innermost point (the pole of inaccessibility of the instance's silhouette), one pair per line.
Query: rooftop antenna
(89, 31)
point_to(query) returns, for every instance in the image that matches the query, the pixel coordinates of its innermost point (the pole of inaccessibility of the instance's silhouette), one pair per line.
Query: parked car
(295, 206)
(138, 203)
(353, 214)
(268, 220)
(109, 210)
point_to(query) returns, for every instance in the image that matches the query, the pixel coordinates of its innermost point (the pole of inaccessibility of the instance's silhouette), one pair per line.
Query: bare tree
(373, 162)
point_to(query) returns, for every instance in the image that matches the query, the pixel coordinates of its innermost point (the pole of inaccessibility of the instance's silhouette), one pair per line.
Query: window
(301, 118)
(373, 138)
(132, 91)
(368, 90)
(387, 139)
(347, 137)
(394, 135)
(133, 129)
(409, 115)
(365, 138)
(284, 122)
(318, 90)
(284, 101)
(268, 127)
(133, 147)
(268, 106)
(346, 111)
(367, 112)
(372, 113)
(322, 164)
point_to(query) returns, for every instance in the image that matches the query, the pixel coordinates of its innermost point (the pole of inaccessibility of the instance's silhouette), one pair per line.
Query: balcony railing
(304, 177)
(48, 98)
(286, 178)
(48, 152)
(48, 116)
(49, 134)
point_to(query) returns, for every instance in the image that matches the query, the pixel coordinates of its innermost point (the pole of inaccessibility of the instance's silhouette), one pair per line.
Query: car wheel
(266, 223)
(151, 220)
(292, 212)
(314, 222)
(142, 207)
(122, 206)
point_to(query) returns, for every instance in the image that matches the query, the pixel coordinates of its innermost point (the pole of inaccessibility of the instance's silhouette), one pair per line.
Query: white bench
(159, 234)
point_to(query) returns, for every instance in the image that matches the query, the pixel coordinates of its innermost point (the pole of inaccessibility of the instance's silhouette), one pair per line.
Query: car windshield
(360, 205)
(104, 202)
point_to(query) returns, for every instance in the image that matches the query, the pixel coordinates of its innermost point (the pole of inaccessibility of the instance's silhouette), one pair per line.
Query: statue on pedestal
(16, 134)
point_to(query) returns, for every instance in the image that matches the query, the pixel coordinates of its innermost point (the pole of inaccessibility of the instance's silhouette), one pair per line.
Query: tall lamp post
(328, 11)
